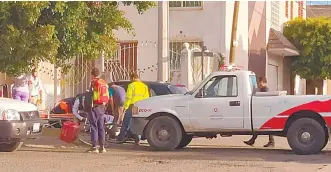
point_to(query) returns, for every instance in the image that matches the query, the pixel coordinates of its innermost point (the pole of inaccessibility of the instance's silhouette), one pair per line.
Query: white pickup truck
(226, 103)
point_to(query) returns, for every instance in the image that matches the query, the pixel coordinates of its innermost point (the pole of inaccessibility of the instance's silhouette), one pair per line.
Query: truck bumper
(138, 125)
(20, 130)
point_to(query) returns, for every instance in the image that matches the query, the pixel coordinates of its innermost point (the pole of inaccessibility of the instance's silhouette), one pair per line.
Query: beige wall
(257, 37)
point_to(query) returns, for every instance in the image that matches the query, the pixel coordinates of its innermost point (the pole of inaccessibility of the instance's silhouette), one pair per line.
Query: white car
(226, 103)
(18, 121)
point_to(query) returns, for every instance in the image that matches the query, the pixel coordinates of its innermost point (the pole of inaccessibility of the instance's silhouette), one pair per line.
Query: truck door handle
(234, 103)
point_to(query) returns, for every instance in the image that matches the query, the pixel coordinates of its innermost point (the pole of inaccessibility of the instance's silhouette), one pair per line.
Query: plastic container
(69, 131)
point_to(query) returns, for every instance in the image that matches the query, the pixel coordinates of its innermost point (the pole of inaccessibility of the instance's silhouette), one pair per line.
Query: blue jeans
(125, 129)
(97, 123)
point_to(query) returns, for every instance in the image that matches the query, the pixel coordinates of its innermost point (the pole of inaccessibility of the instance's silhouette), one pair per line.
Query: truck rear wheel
(12, 147)
(164, 133)
(185, 141)
(306, 136)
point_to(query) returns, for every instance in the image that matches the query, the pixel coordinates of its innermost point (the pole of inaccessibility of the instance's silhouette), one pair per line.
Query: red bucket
(69, 131)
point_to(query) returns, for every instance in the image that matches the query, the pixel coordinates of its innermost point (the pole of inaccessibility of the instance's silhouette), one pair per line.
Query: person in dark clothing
(96, 117)
(262, 88)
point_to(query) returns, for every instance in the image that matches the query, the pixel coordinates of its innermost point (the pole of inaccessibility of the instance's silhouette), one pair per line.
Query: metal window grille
(275, 15)
(286, 9)
(185, 4)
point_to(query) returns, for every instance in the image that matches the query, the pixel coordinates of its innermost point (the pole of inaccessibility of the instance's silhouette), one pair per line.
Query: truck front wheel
(164, 133)
(12, 147)
(306, 136)
(185, 141)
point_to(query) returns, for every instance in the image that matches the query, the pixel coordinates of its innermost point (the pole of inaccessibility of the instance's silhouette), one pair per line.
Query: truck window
(221, 86)
(252, 81)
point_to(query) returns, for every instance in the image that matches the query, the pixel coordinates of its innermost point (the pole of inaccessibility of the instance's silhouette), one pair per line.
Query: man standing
(262, 88)
(136, 91)
(96, 116)
(116, 102)
(36, 91)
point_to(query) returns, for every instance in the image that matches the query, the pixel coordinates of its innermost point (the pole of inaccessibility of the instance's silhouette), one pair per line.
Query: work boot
(249, 142)
(93, 150)
(269, 144)
(102, 150)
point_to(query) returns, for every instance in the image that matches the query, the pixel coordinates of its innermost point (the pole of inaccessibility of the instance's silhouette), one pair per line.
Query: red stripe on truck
(315, 106)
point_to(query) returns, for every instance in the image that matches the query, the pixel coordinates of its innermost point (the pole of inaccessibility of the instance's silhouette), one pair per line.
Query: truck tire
(306, 136)
(12, 147)
(185, 141)
(164, 133)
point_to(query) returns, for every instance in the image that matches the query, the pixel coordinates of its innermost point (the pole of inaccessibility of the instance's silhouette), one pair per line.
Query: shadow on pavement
(202, 152)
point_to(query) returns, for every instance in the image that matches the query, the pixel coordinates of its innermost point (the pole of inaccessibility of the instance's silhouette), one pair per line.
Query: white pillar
(186, 67)
(55, 84)
(163, 40)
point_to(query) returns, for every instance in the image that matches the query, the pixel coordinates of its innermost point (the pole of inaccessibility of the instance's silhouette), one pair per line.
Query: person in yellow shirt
(136, 91)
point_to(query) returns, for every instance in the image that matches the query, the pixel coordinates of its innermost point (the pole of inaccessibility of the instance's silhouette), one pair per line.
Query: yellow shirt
(136, 91)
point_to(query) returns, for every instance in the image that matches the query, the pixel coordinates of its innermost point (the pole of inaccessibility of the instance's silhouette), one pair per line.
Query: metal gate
(175, 49)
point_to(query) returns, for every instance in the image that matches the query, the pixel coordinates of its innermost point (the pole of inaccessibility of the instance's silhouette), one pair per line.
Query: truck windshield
(252, 81)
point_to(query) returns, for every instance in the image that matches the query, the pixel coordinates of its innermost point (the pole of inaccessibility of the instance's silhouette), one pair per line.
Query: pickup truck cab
(18, 121)
(226, 103)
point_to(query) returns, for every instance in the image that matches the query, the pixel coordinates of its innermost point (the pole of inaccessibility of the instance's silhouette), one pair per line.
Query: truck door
(217, 106)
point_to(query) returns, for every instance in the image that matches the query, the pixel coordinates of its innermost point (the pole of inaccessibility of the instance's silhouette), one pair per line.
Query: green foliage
(313, 39)
(57, 31)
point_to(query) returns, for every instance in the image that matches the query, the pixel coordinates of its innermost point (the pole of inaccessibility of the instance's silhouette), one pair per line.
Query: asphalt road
(202, 155)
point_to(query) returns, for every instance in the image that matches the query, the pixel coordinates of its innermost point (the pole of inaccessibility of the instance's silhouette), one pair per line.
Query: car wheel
(12, 147)
(185, 141)
(306, 136)
(164, 133)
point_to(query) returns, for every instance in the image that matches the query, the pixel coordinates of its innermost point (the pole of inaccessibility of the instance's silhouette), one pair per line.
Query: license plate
(36, 127)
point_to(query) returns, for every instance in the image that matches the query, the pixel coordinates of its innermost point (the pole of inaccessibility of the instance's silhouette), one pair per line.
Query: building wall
(146, 33)
(211, 24)
(261, 17)
(257, 37)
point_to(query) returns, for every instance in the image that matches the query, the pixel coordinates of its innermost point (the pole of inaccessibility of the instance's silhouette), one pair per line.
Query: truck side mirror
(199, 94)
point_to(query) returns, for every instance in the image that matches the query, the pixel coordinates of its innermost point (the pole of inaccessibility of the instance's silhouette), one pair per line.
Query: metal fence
(117, 66)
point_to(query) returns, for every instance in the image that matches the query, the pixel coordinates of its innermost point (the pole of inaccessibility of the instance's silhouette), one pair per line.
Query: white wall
(212, 24)
(146, 33)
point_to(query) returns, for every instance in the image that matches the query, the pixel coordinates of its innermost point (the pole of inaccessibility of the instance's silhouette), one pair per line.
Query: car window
(222, 86)
(177, 89)
(152, 93)
(159, 89)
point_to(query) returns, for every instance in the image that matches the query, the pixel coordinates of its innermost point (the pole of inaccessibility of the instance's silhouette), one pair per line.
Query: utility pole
(234, 32)
(162, 67)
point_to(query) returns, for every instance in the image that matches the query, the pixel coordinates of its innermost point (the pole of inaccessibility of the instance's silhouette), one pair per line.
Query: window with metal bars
(185, 4)
(291, 10)
(286, 9)
(275, 15)
(300, 9)
(176, 48)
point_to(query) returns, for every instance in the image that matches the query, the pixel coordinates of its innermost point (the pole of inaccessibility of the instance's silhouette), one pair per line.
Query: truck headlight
(134, 110)
(10, 114)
